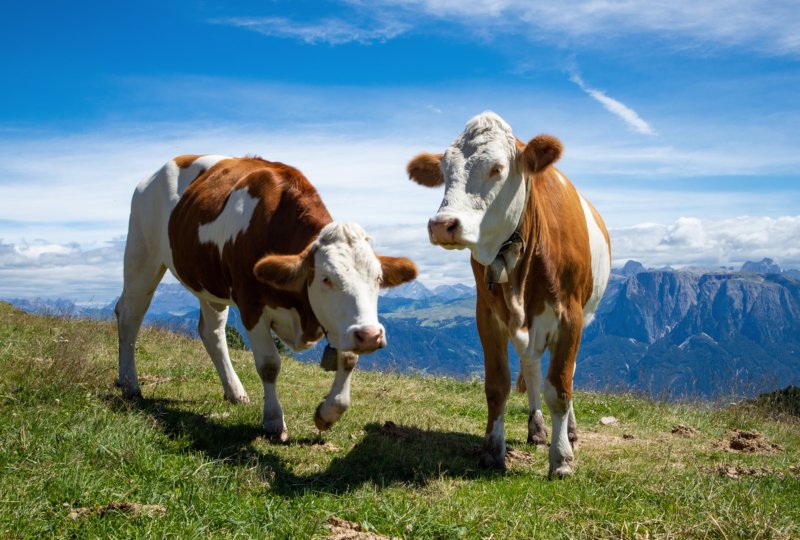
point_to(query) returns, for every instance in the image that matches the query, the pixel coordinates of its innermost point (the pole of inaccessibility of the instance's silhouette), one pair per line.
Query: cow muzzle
(445, 231)
(367, 338)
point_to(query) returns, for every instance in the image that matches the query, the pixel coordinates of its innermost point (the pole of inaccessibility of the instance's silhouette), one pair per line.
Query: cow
(255, 234)
(541, 257)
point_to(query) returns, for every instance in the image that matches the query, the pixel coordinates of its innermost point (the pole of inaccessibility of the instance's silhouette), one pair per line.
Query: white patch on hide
(601, 263)
(232, 221)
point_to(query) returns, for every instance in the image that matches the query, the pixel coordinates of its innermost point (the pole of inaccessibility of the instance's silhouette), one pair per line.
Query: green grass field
(78, 461)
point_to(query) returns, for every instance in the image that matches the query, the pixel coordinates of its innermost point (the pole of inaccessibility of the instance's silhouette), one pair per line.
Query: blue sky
(681, 120)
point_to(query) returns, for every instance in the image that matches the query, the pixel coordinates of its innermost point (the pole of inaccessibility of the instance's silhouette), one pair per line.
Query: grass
(69, 442)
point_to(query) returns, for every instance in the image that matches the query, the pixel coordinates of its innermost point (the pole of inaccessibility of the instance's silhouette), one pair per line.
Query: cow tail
(521, 387)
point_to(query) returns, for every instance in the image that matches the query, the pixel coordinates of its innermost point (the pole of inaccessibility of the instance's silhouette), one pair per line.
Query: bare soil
(129, 508)
(341, 529)
(751, 442)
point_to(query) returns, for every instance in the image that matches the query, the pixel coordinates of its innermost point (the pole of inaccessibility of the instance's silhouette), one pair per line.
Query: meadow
(76, 460)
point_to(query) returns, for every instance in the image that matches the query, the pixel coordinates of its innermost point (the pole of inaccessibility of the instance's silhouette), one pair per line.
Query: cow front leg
(268, 366)
(338, 399)
(497, 386)
(558, 392)
(531, 367)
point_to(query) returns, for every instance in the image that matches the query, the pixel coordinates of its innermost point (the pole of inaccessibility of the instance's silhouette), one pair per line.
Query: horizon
(680, 123)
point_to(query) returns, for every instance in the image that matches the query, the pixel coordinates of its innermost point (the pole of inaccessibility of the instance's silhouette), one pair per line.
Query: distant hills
(665, 332)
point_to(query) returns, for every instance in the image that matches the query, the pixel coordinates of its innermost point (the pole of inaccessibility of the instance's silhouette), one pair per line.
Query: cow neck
(512, 250)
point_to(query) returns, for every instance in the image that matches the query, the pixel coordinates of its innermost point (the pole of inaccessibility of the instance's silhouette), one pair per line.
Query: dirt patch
(735, 472)
(323, 446)
(682, 430)
(628, 436)
(751, 442)
(147, 380)
(341, 529)
(518, 455)
(128, 508)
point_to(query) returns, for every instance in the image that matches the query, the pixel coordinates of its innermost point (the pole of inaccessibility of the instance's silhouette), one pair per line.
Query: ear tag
(329, 360)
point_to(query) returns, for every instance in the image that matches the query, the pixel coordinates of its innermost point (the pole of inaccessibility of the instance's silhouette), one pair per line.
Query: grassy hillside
(76, 460)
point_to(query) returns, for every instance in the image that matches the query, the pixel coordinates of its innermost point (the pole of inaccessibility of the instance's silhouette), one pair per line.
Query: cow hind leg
(130, 310)
(211, 327)
(531, 376)
(268, 366)
(572, 426)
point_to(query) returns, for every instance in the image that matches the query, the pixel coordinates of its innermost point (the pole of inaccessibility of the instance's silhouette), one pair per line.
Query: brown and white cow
(541, 259)
(255, 234)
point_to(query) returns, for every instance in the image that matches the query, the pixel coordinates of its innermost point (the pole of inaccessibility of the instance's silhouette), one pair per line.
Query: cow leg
(572, 426)
(142, 273)
(531, 368)
(497, 386)
(558, 391)
(268, 365)
(338, 399)
(211, 327)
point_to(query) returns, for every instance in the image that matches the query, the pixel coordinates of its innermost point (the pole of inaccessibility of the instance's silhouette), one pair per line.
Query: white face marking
(344, 291)
(484, 188)
(601, 263)
(233, 220)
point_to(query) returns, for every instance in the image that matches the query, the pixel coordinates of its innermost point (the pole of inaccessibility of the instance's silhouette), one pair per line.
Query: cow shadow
(386, 455)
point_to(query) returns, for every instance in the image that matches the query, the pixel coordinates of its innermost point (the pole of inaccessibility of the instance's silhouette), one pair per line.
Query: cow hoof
(243, 399)
(492, 462)
(281, 436)
(537, 433)
(275, 431)
(538, 439)
(560, 473)
(134, 394)
(322, 425)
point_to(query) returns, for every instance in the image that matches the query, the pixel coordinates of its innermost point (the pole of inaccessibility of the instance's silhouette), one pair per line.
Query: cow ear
(425, 170)
(396, 271)
(540, 152)
(286, 272)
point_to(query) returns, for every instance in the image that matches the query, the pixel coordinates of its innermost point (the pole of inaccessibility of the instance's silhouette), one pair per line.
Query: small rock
(608, 420)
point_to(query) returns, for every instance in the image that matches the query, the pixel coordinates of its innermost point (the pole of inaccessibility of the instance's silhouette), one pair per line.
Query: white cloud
(330, 31)
(695, 241)
(769, 27)
(628, 115)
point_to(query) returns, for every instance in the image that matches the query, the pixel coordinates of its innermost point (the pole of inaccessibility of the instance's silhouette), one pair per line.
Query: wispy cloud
(770, 28)
(331, 31)
(615, 107)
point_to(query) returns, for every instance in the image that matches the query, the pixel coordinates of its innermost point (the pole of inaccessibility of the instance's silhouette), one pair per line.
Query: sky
(680, 120)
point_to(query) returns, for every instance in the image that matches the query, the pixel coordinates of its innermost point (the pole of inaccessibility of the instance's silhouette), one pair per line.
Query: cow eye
(496, 170)
(326, 281)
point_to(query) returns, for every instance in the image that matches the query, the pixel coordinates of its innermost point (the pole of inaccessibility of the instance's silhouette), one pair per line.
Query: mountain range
(671, 333)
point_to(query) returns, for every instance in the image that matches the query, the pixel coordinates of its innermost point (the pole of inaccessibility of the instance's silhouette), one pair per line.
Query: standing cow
(541, 258)
(255, 234)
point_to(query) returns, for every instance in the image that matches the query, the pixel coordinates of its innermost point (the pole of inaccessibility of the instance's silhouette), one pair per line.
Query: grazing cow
(255, 234)
(541, 258)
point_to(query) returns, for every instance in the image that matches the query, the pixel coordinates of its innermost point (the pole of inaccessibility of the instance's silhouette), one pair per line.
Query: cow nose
(369, 338)
(443, 230)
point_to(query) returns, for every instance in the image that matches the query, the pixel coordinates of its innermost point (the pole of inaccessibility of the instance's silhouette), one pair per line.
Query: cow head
(484, 172)
(342, 275)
